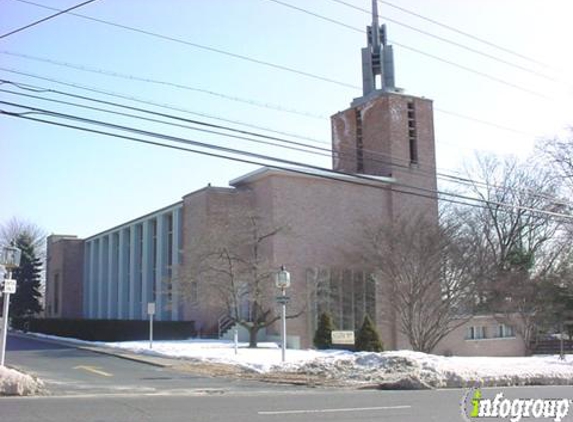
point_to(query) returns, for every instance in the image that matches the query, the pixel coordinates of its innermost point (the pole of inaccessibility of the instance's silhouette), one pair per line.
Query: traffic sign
(9, 286)
(283, 299)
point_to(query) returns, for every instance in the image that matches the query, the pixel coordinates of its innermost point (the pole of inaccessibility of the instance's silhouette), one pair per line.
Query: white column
(132, 270)
(110, 277)
(160, 266)
(146, 275)
(175, 270)
(102, 272)
(121, 274)
(86, 280)
(92, 280)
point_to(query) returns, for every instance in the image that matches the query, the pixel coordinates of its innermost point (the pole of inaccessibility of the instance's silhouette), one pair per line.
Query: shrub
(368, 339)
(323, 334)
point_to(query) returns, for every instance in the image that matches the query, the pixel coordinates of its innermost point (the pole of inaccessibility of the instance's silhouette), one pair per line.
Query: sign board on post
(151, 308)
(9, 286)
(343, 337)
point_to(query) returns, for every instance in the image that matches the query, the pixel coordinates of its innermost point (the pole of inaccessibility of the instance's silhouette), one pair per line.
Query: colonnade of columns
(132, 265)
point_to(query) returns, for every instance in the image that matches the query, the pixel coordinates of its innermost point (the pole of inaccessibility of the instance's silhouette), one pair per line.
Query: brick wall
(64, 277)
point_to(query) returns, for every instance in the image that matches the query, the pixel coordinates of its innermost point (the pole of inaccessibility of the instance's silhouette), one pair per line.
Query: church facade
(384, 168)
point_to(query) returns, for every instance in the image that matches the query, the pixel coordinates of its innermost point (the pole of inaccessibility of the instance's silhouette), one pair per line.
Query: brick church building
(385, 168)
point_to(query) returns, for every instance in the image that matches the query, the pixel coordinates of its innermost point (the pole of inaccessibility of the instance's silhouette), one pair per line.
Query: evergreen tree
(368, 339)
(323, 334)
(27, 299)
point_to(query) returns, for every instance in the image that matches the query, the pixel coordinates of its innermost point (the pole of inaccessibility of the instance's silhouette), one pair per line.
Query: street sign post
(9, 287)
(282, 281)
(151, 312)
(9, 258)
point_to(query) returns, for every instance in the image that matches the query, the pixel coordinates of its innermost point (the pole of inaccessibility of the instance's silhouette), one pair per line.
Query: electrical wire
(152, 120)
(374, 156)
(427, 192)
(466, 34)
(448, 41)
(286, 68)
(202, 47)
(26, 115)
(61, 12)
(423, 53)
(162, 105)
(130, 77)
(429, 34)
(249, 101)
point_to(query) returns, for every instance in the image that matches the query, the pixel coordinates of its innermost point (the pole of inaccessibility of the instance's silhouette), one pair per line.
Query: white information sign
(342, 337)
(151, 308)
(9, 286)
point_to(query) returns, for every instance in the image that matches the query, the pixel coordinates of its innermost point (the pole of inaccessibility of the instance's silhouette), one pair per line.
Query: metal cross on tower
(377, 57)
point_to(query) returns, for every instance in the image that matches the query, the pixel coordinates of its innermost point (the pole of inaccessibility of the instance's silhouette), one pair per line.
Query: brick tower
(386, 132)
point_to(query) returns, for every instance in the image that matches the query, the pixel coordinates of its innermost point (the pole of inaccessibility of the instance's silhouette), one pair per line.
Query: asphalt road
(136, 392)
(67, 370)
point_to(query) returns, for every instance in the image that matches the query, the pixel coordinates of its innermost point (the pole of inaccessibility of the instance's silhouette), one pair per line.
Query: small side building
(64, 272)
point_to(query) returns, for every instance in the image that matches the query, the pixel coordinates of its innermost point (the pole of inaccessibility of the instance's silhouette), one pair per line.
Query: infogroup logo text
(514, 409)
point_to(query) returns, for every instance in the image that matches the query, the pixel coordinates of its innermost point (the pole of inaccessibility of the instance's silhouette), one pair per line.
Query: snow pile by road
(413, 370)
(396, 369)
(14, 383)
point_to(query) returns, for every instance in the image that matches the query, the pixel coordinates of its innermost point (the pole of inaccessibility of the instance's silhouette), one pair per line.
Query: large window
(347, 295)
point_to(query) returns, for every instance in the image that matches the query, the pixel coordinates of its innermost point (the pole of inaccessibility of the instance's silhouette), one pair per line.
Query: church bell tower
(385, 132)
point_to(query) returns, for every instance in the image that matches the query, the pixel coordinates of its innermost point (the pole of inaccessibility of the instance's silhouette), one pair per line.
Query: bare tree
(426, 274)
(235, 271)
(515, 246)
(15, 227)
(558, 153)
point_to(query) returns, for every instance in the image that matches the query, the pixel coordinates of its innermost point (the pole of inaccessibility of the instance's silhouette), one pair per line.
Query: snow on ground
(408, 369)
(14, 383)
(399, 369)
(396, 369)
(265, 358)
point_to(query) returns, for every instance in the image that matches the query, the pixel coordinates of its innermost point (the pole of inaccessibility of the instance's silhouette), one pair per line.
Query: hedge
(106, 329)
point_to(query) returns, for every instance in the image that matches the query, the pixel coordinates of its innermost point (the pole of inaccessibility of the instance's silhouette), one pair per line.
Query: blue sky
(78, 183)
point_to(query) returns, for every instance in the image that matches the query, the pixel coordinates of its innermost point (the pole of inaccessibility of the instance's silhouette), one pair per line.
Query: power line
(130, 77)
(458, 115)
(286, 68)
(424, 53)
(434, 193)
(466, 34)
(203, 47)
(304, 148)
(429, 34)
(386, 159)
(248, 101)
(324, 152)
(162, 105)
(329, 174)
(46, 18)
